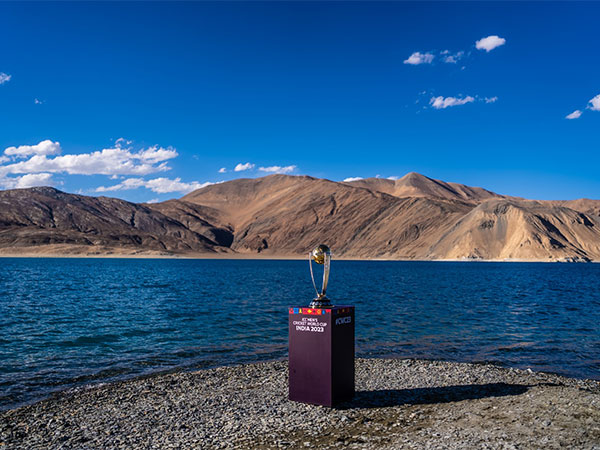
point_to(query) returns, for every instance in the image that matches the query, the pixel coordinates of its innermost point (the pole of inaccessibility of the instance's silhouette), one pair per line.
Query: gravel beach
(398, 404)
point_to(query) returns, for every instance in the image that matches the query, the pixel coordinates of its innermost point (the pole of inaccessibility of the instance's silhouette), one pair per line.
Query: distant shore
(398, 404)
(241, 256)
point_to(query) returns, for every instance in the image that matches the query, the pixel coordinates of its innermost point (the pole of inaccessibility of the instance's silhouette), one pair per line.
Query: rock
(398, 404)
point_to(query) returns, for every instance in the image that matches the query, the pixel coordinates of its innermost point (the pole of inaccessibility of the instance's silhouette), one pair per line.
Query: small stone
(399, 404)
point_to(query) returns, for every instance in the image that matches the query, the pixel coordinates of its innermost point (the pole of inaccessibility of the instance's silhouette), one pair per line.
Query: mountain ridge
(414, 184)
(414, 217)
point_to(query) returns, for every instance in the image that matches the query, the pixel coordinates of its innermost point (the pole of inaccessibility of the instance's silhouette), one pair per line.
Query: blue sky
(145, 101)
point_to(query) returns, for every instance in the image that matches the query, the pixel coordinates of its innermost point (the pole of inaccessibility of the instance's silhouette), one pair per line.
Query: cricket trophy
(321, 344)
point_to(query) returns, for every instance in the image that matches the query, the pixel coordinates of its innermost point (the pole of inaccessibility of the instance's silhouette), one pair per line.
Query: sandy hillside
(414, 217)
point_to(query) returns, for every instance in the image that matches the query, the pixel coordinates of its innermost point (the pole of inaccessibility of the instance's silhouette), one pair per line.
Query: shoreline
(191, 369)
(400, 403)
(68, 390)
(264, 257)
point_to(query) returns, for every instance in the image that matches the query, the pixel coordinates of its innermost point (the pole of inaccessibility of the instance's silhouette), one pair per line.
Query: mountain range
(414, 217)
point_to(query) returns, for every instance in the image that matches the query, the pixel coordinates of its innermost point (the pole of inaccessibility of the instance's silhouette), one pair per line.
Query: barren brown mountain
(414, 217)
(416, 185)
(47, 221)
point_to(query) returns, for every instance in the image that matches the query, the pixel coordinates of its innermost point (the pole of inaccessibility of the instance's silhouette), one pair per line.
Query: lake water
(70, 322)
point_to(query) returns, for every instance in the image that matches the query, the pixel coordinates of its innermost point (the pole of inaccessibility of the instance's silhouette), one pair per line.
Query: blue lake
(70, 322)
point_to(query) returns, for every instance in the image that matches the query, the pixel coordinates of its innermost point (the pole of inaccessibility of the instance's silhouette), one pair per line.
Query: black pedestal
(321, 355)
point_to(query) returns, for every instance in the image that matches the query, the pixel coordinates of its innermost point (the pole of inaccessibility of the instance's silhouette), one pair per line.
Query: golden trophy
(321, 344)
(322, 256)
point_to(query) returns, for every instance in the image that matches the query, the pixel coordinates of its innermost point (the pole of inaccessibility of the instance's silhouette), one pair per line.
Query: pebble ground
(398, 404)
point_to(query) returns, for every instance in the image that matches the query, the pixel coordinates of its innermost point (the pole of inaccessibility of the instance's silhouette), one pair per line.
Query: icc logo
(343, 320)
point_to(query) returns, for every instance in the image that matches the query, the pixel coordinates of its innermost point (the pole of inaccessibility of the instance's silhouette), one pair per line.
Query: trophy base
(321, 355)
(320, 302)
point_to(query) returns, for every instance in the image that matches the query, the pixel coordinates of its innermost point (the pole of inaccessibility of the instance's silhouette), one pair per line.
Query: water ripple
(69, 322)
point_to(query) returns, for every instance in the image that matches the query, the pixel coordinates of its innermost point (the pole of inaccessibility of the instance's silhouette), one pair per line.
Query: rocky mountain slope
(414, 217)
(50, 221)
(417, 185)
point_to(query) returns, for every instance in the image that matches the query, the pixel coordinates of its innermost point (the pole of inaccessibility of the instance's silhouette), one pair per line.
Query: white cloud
(346, 180)
(122, 141)
(4, 77)
(452, 58)
(159, 185)
(393, 178)
(111, 161)
(277, 169)
(154, 155)
(4, 159)
(129, 183)
(489, 43)
(37, 101)
(222, 170)
(443, 103)
(594, 104)
(419, 58)
(46, 147)
(26, 181)
(154, 200)
(164, 185)
(34, 179)
(241, 167)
